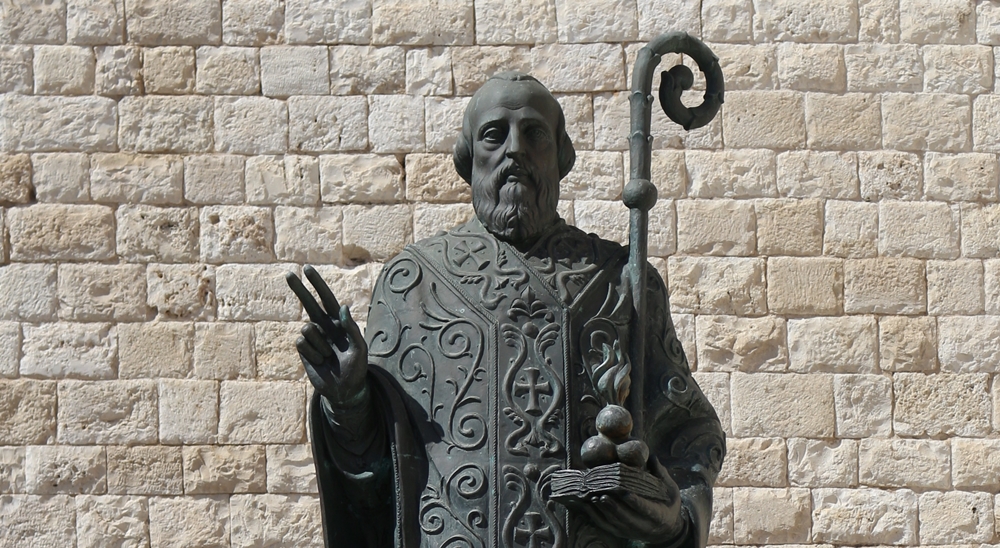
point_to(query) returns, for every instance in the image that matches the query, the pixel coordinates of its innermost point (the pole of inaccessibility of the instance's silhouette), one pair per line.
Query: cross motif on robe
(533, 389)
(534, 531)
(466, 252)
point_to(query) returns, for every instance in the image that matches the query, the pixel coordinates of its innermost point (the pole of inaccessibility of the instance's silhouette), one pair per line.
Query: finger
(325, 295)
(308, 352)
(617, 512)
(640, 506)
(347, 321)
(316, 313)
(314, 335)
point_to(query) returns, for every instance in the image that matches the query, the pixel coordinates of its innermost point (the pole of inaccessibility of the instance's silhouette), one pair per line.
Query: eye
(494, 135)
(537, 134)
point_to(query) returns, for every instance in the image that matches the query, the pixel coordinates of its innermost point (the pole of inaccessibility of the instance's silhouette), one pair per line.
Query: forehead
(521, 100)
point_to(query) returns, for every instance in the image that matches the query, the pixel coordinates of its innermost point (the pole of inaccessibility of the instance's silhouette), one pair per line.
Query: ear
(462, 156)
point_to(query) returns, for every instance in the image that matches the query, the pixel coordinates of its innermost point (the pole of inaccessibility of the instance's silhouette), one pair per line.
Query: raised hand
(333, 350)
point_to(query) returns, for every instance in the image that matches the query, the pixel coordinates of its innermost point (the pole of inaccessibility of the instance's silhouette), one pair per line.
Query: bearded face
(514, 202)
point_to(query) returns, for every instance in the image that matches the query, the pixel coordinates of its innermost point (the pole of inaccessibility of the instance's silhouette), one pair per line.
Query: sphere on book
(633, 453)
(615, 422)
(598, 451)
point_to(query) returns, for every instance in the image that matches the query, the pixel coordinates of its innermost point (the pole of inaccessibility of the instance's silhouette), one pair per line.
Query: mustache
(511, 168)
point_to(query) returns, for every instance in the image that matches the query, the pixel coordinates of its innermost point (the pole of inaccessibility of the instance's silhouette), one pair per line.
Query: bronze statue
(492, 402)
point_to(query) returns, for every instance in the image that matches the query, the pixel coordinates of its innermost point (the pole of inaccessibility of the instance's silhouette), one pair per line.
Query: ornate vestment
(483, 360)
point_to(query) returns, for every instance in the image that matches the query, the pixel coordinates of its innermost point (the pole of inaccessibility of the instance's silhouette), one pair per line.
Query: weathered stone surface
(54, 469)
(975, 464)
(58, 124)
(925, 230)
(985, 134)
(214, 179)
(189, 522)
(256, 292)
(805, 286)
(784, 405)
(926, 121)
(754, 462)
(716, 227)
(908, 343)
(431, 219)
(241, 420)
(787, 20)
(731, 343)
(358, 70)
(376, 232)
(265, 520)
(111, 521)
(181, 291)
(669, 173)
(864, 405)
(851, 229)
(428, 71)
(131, 178)
(789, 226)
(168, 70)
(969, 344)
(29, 292)
(227, 70)
(955, 287)
(34, 23)
(189, 411)
(69, 350)
(312, 21)
(352, 285)
(811, 67)
(274, 348)
(327, 124)
(980, 224)
(745, 66)
(772, 119)
(771, 516)
(727, 21)
(15, 179)
(61, 177)
(15, 69)
(361, 178)
(515, 21)
(107, 412)
(934, 21)
(605, 218)
(716, 388)
(290, 469)
(958, 69)
(708, 285)
(224, 469)
(820, 463)
(94, 292)
(889, 174)
(250, 125)
(27, 412)
(223, 350)
(118, 71)
(720, 530)
(731, 173)
(294, 70)
(968, 177)
(879, 21)
(884, 286)
(566, 68)
(240, 234)
(992, 286)
(10, 349)
(843, 344)
(883, 67)
(64, 70)
(395, 123)
(956, 517)
(252, 22)
(307, 235)
(162, 123)
(611, 126)
(422, 23)
(864, 516)
(915, 464)
(145, 470)
(432, 178)
(587, 21)
(154, 350)
(839, 122)
(809, 174)
(31, 520)
(147, 233)
(287, 180)
(176, 22)
(942, 404)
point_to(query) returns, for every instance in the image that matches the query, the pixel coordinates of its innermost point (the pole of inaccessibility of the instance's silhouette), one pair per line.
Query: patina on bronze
(512, 390)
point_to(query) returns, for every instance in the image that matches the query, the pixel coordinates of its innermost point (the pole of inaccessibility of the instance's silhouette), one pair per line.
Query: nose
(515, 146)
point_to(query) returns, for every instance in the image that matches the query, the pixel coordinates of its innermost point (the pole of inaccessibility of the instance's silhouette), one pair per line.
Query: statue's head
(514, 150)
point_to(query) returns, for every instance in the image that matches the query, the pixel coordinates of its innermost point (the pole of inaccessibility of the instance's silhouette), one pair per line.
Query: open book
(571, 485)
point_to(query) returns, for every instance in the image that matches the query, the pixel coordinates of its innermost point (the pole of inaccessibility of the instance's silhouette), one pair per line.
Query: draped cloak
(481, 370)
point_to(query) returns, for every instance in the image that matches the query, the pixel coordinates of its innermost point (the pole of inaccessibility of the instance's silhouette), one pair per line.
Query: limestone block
(968, 177)
(842, 122)
(754, 462)
(840, 344)
(352, 286)
(31, 520)
(810, 174)
(262, 412)
(578, 110)
(988, 24)
(958, 69)
(727, 21)
(430, 219)
(107, 412)
(669, 173)
(29, 292)
(771, 516)
(956, 517)
(595, 176)
(252, 22)
(64, 70)
(731, 343)
(884, 286)
(443, 121)
(662, 229)
(889, 174)
(118, 71)
(256, 292)
(789, 226)
(975, 464)
(657, 15)
(12, 469)
(784, 405)
(422, 23)
(294, 70)
(926, 121)
(228, 70)
(147, 233)
(884, 67)
(432, 178)
(772, 119)
(864, 516)
(155, 350)
(10, 349)
(250, 125)
(980, 225)
(924, 230)
(428, 71)
(103, 521)
(34, 23)
(131, 178)
(290, 469)
(601, 20)
(15, 179)
(955, 287)
(566, 68)
(314, 21)
(992, 286)
(907, 343)
(720, 530)
(515, 22)
(731, 173)
(683, 323)
(174, 22)
(361, 178)
(224, 469)
(968, 344)
(168, 70)
(166, 124)
(69, 350)
(376, 232)
(864, 405)
(879, 21)
(189, 522)
(181, 291)
(64, 469)
(367, 70)
(937, 22)
(58, 124)
(715, 386)
(145, 470)
(274, 347)
(61, 232)
(288, 180)
(607, 219)
(811, 67)
(27, 412)
(61, 177)
(805, 286)
(15, 69)
(787, 20)
(328, 124)
(709, 285)
(716, 227)
(745, 66)
(241, 234)
(396, 123)
(822, 463)
(275, 520)
(942, 404)
(308, 235)
(919, 464)
(211, 179)
(223, 350)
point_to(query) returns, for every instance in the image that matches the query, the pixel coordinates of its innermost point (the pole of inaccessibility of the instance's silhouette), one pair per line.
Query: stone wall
(831, 242)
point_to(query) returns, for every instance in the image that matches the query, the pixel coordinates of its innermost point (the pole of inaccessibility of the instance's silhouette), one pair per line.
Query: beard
(514, 203)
